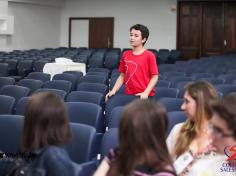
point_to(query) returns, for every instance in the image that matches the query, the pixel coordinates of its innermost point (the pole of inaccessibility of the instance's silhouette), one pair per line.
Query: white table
(56, 68)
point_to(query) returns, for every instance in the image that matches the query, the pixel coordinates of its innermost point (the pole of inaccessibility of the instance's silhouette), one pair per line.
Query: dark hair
(226, 110)
(143, 29)
(46, 122)
(142, 138)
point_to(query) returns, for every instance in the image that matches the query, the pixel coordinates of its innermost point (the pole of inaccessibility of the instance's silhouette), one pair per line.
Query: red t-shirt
(138, 70)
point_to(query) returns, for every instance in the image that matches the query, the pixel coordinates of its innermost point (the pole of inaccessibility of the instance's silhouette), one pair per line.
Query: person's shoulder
(54, 152)
(178, 127)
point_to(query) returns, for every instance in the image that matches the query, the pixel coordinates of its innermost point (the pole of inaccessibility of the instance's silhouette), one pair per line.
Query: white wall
(156, 14)
(35, 26)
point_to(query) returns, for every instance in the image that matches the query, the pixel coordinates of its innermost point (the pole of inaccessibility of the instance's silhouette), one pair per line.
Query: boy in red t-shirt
(138, 67)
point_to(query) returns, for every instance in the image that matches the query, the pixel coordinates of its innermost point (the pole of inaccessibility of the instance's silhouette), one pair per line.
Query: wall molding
(55, 3)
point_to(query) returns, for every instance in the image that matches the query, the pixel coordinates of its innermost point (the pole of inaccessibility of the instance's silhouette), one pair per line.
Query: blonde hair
(203, 93)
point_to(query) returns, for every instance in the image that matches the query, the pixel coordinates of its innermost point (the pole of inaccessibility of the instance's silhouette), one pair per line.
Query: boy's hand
(142, 95)
(109, 94)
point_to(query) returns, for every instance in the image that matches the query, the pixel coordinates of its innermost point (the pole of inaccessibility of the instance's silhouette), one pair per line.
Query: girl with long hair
(142, 148)
(192, 137)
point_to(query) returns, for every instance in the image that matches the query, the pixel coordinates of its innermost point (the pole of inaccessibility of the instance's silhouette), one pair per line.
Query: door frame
(89, 19)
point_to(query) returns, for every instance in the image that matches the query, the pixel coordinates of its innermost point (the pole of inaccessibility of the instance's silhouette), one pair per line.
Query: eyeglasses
(218, 132)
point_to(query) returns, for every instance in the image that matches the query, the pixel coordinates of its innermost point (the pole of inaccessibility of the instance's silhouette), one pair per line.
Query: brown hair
(46, 122)
(203, 93)
(227, 111)
(143, 29)
(142, 138)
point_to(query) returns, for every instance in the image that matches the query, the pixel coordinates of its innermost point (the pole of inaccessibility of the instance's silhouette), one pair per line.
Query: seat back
(83, 96)
(39, 76)
(109, 141)
(32, 84)
(3, 69)
(171, 104)
(10, 133)
(60, 93)
(114, 101)
(6, 104)
(15, 91)
(93, 79)
(81, 146)
(166, 92)
(21, 105)
(174, 118)
(67, 77)
(115, 117)
(86, 113)
(58, 84)
(92, 87)
(6, 81)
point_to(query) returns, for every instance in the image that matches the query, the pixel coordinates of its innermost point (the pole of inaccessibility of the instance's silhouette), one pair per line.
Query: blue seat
(38, 65)
(15, 91)
(92, 87)
(58, 84)
(39, 76)
(12, 64)
(81, 147)
(93, 79)
(77, 74)
(228, 78)
(163, 56)
(175, 55)
(114, 101)
(99, 70)
(96, 62)
(225, 88)
(163, 83)
(174, 118)
(60, 93)
(176, 79)
(4, 69)
(115, 117)
(6, 104)
(171, 104)
(32, 84)
(103, 74)
(67, 77)
(168, 74)
(115, 73)
(112, 61)
(109, 141)
(86, 113)
(213, 81)
(21, 105)
(166, 92)
(10, 133)
(6, 81)
(83, 96)
(197, 76)
(24, 67)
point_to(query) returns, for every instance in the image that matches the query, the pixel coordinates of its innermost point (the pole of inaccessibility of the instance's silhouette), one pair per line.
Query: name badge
(182, 162)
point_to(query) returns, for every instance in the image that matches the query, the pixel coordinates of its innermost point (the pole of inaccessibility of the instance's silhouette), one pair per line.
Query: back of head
(203, 94)
(46, 122)
(226, 110)
(142, 135)
(143, 29)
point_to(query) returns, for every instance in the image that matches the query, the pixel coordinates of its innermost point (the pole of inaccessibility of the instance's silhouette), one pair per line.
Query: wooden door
(101, 32)
(230, 27)
(189, 29)
(212, 29)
